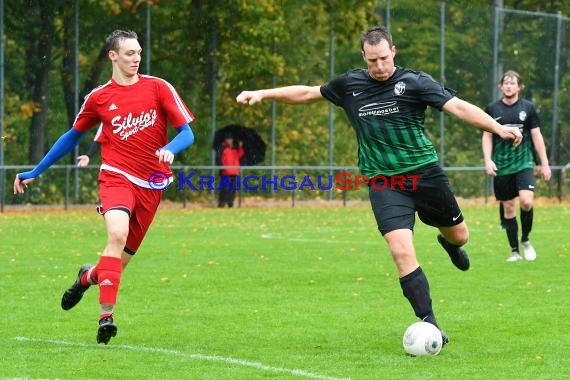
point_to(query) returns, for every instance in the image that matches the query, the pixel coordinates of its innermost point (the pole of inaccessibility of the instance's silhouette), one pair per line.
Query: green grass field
(282, 293)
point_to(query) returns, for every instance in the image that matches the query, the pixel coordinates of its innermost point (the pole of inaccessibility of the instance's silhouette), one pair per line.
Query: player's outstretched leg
(107, 329)
(458, 255)
(73, 295)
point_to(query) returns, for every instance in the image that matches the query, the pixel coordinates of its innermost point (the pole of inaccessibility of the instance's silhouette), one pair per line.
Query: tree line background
(210, 50)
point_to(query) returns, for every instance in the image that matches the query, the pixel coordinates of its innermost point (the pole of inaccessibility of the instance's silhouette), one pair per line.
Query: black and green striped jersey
(388, 117)
(508, 158)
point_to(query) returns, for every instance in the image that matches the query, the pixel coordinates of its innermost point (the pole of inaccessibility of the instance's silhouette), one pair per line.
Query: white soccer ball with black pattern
(422, 339)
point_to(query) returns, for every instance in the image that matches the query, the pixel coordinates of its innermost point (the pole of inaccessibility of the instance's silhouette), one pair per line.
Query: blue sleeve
(62, 146)
(183, 140)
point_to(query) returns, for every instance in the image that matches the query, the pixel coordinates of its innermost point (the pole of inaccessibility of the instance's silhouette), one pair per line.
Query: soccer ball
(422, 339)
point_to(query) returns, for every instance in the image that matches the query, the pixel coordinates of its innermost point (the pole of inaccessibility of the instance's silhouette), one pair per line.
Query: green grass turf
(282, 293)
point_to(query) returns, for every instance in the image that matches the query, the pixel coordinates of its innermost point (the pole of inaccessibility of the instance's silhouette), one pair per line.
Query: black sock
(415, 287)
(502, 214)
(512, 228)
(526, 223)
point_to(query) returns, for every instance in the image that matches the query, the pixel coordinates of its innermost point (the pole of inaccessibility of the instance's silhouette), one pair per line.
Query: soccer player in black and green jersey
(512, 168)
(386, 105)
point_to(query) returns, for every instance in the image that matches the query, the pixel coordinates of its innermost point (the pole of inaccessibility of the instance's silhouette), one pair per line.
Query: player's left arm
(181, 141)
(540, 148)
(178, 114)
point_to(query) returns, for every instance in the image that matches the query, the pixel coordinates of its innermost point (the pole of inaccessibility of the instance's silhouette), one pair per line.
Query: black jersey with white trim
(388, 117)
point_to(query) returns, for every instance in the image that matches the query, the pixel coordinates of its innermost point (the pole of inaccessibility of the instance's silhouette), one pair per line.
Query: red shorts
(118, 193)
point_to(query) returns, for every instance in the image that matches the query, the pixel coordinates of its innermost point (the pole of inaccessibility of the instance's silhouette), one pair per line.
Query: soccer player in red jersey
(133, 110)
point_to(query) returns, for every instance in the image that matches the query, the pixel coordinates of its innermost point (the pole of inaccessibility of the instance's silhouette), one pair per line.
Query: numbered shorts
(117, 193)
(425, 191)
(507, 187)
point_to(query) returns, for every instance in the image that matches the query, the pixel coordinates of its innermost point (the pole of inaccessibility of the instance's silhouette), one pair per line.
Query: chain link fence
(284, 185)
(493, 39)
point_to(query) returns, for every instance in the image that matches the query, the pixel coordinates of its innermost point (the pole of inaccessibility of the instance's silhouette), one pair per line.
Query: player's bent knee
(462, 237)
(463, 240)
(526, 205)
(457, 235)
(117, 236)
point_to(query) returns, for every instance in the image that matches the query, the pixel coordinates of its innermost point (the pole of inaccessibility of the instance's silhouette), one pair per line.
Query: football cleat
(514, 257)
(444, 338)
(107, 330)
(528, 251)
(458, 255)
(73, 295)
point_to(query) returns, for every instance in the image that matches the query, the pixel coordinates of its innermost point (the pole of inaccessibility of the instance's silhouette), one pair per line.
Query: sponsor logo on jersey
(378, 109)
(113, 107)
(126, 126)
(519, 126)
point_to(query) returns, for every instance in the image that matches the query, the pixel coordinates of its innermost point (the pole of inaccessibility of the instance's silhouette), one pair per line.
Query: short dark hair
(375, 35)
(511, 73)
(114, 39)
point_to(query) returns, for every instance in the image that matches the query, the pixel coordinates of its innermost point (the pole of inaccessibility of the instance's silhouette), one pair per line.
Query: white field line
(210, 358)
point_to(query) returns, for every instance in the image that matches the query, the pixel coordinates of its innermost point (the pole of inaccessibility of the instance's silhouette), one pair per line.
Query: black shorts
(507, 187)
(425, 191)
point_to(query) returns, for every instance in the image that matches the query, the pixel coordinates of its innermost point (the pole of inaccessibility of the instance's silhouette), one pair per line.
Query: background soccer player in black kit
(513, 168)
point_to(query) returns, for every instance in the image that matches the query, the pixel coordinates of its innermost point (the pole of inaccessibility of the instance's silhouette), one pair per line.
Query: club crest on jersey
(522, 116)
(399, 88)
(126, 126)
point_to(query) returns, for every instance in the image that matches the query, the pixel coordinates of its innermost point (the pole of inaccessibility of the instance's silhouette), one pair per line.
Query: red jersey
(134, 121)
(98, 136)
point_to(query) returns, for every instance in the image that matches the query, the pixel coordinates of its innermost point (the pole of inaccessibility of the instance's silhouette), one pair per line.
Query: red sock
(88, 281)
(109, 277)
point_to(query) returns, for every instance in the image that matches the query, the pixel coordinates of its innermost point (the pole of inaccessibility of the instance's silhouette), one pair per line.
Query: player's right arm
(83, 160)
(62, 146)
(297, 94)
